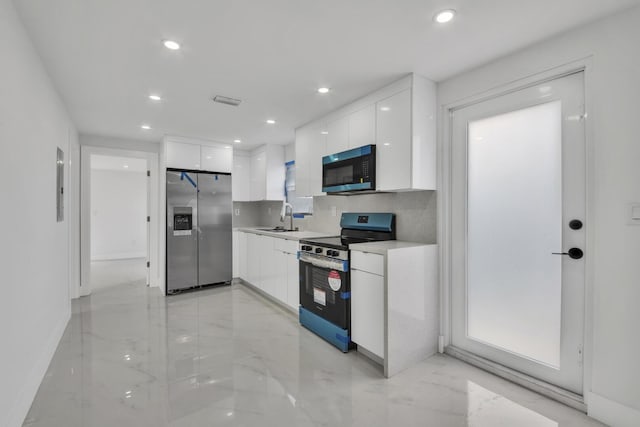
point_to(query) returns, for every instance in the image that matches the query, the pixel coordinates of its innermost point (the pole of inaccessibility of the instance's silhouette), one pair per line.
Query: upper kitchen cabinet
(188, 153)
(216, 159)
(310, 147)
(353, 130)
(406, 138)
(183, 156)
(267, 173)
(399, 119)
(241, 174)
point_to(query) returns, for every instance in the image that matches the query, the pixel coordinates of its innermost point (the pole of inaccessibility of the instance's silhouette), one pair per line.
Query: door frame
(445, 210)
(153, 210)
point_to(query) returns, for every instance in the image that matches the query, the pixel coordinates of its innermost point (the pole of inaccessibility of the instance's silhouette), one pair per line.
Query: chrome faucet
(283, 213)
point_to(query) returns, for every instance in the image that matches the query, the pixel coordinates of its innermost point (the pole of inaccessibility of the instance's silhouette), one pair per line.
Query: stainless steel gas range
(325, 283)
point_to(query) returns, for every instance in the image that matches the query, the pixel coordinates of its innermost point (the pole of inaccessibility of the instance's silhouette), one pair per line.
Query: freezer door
(182, 225)
(215, 238)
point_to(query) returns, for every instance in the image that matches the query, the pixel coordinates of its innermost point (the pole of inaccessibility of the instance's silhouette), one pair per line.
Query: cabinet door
(258, 175)
(280, 277)
(393, 129)
(235, 258)
(310, 148)
(183, 156)
(338, 136)
(242, 255)
(241, 178)
(267, 261)
(253, 259)
(362, 127)
(216, 159)
(274, 172)
(315, 166)
(293, 278)
(367, 311)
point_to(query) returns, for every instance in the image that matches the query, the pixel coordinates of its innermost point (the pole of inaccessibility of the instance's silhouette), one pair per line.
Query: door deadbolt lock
(574, 253)
(575, 224)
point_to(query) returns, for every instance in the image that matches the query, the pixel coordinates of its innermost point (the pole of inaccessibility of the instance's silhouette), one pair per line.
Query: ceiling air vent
(226, 100)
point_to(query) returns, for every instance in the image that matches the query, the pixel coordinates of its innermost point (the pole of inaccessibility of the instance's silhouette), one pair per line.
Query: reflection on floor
(226, 357)
(131, 271)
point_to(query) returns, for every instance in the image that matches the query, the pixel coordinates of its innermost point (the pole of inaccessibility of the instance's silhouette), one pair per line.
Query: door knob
(574, 253)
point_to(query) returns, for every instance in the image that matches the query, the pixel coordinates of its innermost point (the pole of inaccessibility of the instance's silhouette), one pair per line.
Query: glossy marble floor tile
(108, 273)
(226, 357)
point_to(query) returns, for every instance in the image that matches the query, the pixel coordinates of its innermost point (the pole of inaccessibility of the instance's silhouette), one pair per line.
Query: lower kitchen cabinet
(269, 264)
(394, 301)
(367, 311)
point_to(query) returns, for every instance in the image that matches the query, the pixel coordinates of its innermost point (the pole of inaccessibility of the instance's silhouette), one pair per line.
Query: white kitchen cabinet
(181, 155)
(216, 158)
(310, 148)
(187, 153)
(293, 280)
(234, 254)
(362, 127)
(267, 173)
(367, 311)
(241, 177)
(267, 261)
(253, 259)
(400, 119)
(338, 136)
(241, 253)
(393, 128)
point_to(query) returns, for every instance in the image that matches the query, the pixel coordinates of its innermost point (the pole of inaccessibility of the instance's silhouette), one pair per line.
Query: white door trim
(85, 211)
(444, 187)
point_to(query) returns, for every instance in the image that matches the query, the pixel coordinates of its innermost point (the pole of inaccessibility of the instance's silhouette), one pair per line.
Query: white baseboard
(612, 413)
(125, 255)
(25, 396)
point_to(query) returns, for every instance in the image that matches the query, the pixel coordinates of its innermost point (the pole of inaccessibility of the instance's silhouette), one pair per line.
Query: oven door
(325, 288)
(352, 170)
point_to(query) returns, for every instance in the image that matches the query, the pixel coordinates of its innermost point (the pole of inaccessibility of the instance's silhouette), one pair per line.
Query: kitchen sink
(275, 229)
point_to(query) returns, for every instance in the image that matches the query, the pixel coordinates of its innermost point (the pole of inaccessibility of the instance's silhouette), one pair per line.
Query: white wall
(118, 214)
(613, 93)
(35, 269)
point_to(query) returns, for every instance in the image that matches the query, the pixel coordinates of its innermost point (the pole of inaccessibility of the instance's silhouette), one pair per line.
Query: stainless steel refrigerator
(199, 245)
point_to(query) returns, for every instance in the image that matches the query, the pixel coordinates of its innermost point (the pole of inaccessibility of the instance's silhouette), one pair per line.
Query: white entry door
(518, 230)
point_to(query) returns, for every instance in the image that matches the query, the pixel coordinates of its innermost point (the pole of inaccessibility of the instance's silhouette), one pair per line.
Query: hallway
(225, 356)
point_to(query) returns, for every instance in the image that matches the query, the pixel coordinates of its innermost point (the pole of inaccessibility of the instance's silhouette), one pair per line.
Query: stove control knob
(306, 248)
(333, 253)
(318, 250)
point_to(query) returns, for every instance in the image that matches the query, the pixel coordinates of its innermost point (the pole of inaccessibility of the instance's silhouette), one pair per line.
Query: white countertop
(288, 235)
(383, 247)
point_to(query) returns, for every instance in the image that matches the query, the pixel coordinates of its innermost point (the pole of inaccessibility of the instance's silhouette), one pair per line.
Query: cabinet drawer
(285, 245)
(364, 261)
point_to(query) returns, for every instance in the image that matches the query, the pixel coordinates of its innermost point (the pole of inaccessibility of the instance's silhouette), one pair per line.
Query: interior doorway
(119, 218)
(119, 231)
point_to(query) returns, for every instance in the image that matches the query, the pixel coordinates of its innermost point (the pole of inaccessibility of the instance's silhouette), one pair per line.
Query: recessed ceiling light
(324, 132)
(145, 127)
(227, 146)
(155, 97)
(323, 90)
(237, 141)
(387, 144)
(170, 44)
(385, 108)
(444, 16)
(271, 122)
(126, 167)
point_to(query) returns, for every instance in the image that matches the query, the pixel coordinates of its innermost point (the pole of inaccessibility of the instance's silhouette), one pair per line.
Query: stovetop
(336, 242)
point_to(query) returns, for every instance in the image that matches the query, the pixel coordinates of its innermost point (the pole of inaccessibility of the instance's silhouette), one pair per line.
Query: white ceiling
(106, 57)
(119, 164)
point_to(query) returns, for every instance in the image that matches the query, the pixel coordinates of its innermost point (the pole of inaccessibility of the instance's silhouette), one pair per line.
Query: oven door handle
(324, 262)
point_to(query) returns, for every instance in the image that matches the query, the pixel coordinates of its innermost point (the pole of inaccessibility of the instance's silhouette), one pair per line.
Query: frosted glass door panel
(514, 223)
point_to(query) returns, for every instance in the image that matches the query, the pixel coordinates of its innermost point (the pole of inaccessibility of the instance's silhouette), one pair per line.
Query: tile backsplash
(415, 213)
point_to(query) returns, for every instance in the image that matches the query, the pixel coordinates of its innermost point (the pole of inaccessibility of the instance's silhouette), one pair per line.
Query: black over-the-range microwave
(350, 171)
